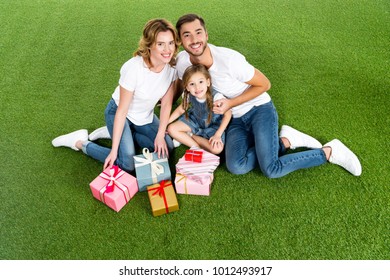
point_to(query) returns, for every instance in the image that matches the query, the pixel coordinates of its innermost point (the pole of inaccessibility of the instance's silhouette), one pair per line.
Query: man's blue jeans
(132, 135)
(252, 140)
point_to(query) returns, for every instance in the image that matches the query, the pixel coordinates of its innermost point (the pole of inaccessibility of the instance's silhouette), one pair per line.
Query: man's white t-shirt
(229, 73)
(148, 88)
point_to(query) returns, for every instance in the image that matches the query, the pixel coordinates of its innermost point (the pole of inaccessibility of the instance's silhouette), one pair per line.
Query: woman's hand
(110, 160)
(160, 146)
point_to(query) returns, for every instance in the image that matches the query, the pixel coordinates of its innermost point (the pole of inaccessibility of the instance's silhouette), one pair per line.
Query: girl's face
(197, 85)
(162, 51)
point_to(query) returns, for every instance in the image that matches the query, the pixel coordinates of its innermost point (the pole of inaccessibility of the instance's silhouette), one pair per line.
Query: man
(252, 137)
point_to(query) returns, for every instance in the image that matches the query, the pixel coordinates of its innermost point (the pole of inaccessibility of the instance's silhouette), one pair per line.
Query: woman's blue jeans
(252, 140)
(133, 135)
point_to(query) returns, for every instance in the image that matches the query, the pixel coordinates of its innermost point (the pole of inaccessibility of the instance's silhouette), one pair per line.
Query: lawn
(328, 63)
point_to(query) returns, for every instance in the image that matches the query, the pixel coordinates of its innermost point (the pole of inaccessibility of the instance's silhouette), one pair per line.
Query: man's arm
(258, 85)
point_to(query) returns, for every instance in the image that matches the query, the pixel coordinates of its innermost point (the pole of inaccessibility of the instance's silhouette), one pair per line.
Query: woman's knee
(126, 163)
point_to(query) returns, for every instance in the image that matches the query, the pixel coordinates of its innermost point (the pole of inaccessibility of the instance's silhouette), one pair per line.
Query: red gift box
(192, 155)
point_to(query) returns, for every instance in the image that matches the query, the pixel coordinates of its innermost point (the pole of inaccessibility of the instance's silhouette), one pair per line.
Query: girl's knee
(171, 128)
(216, 151)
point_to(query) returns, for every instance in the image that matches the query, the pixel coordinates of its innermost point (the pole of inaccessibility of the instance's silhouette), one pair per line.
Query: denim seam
(300, 157)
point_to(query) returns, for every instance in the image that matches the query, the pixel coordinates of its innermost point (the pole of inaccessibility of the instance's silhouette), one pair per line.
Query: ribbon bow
(156, 168)
(161, 192)
(112, 177)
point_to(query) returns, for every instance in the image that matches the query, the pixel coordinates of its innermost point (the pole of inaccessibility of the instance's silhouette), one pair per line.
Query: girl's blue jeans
(133, 135)
(252, 140)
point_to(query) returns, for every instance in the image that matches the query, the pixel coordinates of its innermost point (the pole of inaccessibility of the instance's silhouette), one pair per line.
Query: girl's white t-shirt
(148, 88)
(229, 73)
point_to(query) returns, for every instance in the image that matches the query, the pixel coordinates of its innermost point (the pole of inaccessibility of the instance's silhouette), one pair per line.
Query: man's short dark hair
(189, 18)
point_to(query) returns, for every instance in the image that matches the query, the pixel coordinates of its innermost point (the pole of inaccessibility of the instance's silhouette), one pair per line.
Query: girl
(198, 125)
(144, 80)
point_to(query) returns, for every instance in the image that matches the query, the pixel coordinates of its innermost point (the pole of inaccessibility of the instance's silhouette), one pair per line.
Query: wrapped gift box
(114, 187)
(195, 186)
(198, 169)
(150, 169)
(162, 198)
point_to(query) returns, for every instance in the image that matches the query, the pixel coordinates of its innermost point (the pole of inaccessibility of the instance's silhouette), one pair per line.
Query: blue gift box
(150, 169)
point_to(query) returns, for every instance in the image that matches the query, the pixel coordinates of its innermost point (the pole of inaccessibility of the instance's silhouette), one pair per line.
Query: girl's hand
(110, 160)
(160, 146)
(215, 141)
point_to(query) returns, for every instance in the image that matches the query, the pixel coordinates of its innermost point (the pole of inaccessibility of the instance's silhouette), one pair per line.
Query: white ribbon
(156, 168)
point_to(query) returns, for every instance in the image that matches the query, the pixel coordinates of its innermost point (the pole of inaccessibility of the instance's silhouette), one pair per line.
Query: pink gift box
(208, 165)
(193, 185)
(114, 187)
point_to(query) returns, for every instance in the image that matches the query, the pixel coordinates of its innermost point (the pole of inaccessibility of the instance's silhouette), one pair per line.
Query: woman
(144, 80)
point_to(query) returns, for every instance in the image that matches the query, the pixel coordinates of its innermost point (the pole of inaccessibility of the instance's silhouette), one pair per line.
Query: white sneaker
(70, 139)
(299, 139)
(100, 133)
(176, 143)
(344, 157)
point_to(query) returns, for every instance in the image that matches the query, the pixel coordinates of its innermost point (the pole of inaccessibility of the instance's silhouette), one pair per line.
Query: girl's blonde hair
(191, 70)
(149, 37)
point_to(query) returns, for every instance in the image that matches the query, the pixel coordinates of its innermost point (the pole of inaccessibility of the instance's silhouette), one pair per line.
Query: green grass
(328, 62)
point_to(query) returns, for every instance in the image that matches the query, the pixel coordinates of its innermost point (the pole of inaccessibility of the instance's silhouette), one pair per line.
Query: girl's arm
(216, 140)
(176, 113)
(224, 123)
(119, 123)
(160, 146)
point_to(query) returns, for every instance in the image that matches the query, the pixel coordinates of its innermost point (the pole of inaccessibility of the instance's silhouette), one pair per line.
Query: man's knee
(235, 168)
(269, 173)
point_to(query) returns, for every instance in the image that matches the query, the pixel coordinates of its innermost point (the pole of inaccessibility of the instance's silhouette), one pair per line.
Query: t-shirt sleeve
(241, 68)
(218, 96)
(175, 75)
(182, 62)
(128, 78)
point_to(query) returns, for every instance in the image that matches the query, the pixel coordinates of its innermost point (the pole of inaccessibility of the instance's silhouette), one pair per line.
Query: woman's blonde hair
(149, 37)
(191, 70)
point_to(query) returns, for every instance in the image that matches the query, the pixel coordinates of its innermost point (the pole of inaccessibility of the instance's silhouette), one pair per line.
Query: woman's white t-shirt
(148, 88)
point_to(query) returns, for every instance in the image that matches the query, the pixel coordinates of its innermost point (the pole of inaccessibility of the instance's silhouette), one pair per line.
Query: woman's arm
(119, 123)
(160, 146)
